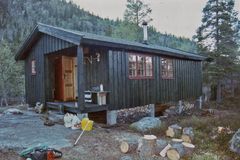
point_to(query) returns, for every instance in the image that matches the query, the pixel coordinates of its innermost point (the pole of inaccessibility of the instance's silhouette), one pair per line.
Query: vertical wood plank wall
(126, 93)
(80, 77)
(35, 87)
(112, 72)
(96, 73)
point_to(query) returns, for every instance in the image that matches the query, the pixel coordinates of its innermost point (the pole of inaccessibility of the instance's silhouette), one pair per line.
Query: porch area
(73, 79)
(72, 107)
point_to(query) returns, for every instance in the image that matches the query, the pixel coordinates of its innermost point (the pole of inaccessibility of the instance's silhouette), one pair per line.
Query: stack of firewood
(180, 144)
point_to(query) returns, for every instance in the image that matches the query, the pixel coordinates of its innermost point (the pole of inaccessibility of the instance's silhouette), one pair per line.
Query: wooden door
(68, 78)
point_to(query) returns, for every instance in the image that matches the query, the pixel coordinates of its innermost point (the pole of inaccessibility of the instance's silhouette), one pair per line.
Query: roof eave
(64, 35)
(41, 28)
(140, 48)
(26, 44)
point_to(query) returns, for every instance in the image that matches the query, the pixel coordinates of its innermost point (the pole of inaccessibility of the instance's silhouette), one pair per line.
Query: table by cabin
(98, 97)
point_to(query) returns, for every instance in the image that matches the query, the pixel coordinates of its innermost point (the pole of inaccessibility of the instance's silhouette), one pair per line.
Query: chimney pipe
(145, 32)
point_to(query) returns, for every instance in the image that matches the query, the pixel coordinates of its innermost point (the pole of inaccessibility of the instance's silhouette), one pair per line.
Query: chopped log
(175, 140)
(188, 134)
(129, 146)
(160, 145)
(176, 151)
(188, 147)
(148, 146)
(174, 131)
(163, 153)
(186, 138)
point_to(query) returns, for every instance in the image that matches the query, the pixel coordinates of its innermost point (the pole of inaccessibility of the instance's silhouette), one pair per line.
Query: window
(140, 66)
(167, 68)
(33, 67)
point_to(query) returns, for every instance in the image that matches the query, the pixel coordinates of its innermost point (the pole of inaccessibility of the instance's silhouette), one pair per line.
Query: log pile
(180, 147)
(180, 144)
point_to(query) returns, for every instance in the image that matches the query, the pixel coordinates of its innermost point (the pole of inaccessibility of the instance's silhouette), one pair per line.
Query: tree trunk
(6, 102)
(232, 87)
(3, 101)
(3, 93)
(219, 92)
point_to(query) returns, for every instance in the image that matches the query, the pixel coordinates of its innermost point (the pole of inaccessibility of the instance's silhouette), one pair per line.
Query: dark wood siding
(35, 87)
(112, 72)
(126, 93)
(96, 73)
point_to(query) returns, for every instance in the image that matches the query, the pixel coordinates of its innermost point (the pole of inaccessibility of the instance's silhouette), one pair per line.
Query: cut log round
(129, 146)
(176, 151)
(148, 146)
(174, 131)
(186, 138)
(175, 140)
(188, 134)
(173, 154)
(188, 148)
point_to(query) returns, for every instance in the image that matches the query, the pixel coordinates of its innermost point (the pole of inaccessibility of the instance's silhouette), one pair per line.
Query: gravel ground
(18, 132)
(22, 131)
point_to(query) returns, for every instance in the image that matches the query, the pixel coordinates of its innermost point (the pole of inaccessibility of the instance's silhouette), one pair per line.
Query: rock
(49, 123)
(51, 118)
(126, 158)
(146, 124)
(235, 142)
(12, 111)
(56, 118)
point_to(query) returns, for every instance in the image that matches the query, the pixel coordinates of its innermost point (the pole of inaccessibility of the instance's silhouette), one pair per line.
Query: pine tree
(217, 37)
(11, 76)
(137, 11)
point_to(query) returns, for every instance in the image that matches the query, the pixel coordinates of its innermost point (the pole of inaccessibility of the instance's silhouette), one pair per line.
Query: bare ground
(103, 142)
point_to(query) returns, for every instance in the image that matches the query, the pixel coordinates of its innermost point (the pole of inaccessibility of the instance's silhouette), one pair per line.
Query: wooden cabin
(83, 72)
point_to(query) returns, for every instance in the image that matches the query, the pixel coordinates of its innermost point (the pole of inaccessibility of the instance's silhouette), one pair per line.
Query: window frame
(33, 67)
(168, 71)
(144, 76)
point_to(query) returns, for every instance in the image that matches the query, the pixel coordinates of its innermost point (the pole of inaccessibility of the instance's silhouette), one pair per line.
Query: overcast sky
(178, 17)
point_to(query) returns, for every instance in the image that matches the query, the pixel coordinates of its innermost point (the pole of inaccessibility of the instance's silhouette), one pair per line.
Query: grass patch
(205, 156)
(206, 127)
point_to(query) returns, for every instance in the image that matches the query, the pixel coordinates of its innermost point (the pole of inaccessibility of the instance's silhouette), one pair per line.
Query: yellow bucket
(86, 124)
